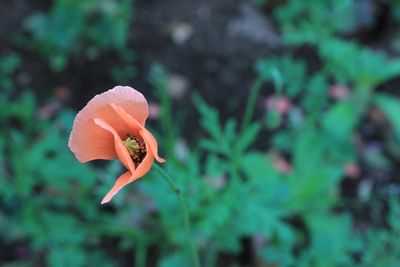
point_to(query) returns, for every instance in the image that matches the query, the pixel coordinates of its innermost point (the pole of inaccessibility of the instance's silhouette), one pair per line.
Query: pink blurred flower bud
(339, 92)
(352, 170)
(282, 165)
(280, 104)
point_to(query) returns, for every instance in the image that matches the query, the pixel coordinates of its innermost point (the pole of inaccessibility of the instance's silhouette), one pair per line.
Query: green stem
(251, 102)
(185, 212)
(167, 120)
(140, 257)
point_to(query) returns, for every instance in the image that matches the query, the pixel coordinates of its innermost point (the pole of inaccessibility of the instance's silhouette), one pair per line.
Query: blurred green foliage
(293, 216)
(73, 28)
(315, 20)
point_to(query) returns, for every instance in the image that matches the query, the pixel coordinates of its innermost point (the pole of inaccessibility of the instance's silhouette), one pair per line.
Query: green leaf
(273, 119)
(329, 239)
(247, 138)
(209, 118)
(287, 74)
(369, 71)
(341, 119)
(316, 95)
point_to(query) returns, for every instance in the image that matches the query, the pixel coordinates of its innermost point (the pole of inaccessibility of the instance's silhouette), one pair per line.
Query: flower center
(136, 149)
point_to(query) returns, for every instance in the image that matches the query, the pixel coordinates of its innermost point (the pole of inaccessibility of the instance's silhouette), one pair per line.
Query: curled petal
(148, 138)
(88, 141)
(152, 143)
(144, 167)
(123, 180)
(120, 148)
(130, 177)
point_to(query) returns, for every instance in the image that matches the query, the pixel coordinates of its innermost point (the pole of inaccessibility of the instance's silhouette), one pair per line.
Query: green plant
(323, 137)
(312, 21)
(74, 28)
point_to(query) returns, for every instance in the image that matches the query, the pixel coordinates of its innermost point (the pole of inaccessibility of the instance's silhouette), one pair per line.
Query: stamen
(137, 150)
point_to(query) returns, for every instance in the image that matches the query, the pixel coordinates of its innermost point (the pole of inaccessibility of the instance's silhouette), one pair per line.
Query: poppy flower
(112, 125)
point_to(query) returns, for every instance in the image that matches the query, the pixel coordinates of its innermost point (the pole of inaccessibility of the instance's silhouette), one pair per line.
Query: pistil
(137, 149)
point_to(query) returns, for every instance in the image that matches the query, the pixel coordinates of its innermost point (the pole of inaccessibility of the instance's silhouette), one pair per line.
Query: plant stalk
(251, 102)
(185, 213)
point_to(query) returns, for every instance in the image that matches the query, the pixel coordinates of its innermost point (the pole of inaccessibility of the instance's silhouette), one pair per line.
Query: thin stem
(251, 102)
(185, 213)
(167, 119)
(140, 256)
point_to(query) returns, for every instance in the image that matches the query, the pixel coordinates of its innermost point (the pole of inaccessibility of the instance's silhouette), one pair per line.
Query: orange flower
(111, 125)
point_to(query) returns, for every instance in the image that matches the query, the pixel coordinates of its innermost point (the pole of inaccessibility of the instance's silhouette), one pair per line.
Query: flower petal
(152, 143)
(87, 141)
(147, 136)
(123, 180)
(144, 167)
(120, 148)
(129, 177)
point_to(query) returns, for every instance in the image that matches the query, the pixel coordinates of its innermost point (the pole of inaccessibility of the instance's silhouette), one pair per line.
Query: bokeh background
(279, 119)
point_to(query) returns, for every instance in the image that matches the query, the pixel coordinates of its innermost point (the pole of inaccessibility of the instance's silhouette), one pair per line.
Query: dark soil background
(217, 62)
(211, 45)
